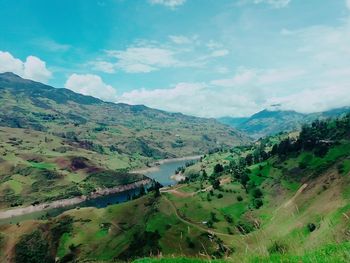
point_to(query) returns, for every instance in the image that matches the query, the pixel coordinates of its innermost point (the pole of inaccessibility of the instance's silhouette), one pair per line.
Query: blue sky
(206, 58)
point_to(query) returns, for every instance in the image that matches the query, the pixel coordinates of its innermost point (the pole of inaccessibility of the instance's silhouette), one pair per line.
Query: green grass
(236, 210)
(76, 177)
(292, 186)
(62, 247)
(101, 233)
(332, 253)
(15, 186)
(160, 222)
(346, 167)
(176, 260)
(333, 154)
(258, 176)
(43, 165)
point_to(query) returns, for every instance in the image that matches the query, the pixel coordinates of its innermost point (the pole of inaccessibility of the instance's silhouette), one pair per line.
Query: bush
(228, 219)
(311, 227)
(190, 243)
(220, 196)
(278, 248)
(216, 184)
(245, 227)
(239, 198)
(257, 193)
(257, 203)
(218, 168)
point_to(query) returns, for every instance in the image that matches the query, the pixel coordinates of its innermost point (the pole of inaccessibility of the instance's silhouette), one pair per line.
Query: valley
(175, 131)
(283, 199)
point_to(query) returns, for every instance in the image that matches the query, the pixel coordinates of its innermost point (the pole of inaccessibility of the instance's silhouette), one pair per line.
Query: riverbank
(72, 201)
(155, 166)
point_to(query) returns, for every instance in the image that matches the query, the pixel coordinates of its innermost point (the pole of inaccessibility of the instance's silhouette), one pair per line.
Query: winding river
(161, 173)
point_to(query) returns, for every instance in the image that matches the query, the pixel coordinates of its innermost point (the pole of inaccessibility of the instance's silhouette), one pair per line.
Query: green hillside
(108, 128)
(56, 144)
(285, 199)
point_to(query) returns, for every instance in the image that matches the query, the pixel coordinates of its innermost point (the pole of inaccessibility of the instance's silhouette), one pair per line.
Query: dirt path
(195, 225)
(300, 190)
(290, 201)
(70, 201)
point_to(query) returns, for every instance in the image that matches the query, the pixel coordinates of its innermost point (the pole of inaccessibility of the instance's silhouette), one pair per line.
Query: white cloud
(92, 85)
(241, 78)
(168, 3)
(33, 68)
(220, 53)
(143, 59)
(10, 64)
(274, 3)
(194, 99)
(315, 100)
(347, 3)
(213, 45)
(103, 66)
(259, 77)
(180, 39)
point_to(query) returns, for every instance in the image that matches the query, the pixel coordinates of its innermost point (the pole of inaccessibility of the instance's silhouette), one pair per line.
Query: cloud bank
(32, 68)
(93, 85)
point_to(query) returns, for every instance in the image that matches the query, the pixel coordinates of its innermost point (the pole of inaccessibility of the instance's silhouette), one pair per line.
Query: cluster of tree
(242, 174)
(317, 137)
(41, 244)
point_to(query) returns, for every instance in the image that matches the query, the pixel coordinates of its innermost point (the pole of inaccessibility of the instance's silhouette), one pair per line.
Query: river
(161, 173)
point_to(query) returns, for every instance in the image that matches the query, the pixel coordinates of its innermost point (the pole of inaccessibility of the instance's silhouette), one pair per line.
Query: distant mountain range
(269, 122)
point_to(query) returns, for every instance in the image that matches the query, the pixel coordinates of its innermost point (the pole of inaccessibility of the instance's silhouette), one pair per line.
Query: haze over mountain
(270, 122)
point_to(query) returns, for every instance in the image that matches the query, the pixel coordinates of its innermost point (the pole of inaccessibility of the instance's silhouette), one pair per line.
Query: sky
(208, 58)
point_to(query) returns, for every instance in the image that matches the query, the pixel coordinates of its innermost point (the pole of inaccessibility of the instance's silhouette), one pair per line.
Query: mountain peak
(9, 75)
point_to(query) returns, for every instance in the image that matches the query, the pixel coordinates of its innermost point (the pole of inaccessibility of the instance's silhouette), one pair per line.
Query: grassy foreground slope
(285, 203)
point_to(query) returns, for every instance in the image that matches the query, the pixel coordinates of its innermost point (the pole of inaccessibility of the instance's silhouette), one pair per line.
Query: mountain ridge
(270, 122)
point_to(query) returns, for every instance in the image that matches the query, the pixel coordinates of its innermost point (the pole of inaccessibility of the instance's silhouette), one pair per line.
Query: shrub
(239, 198)
(220, 196)
(213, 217)
(245, 227)
(257, 193)
(190, 243)
(257, 203)
(228, 218)
(311, 227)
(278, 248)
(218, 168)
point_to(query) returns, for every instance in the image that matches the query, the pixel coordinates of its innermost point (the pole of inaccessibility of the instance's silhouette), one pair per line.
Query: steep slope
(270, 122)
